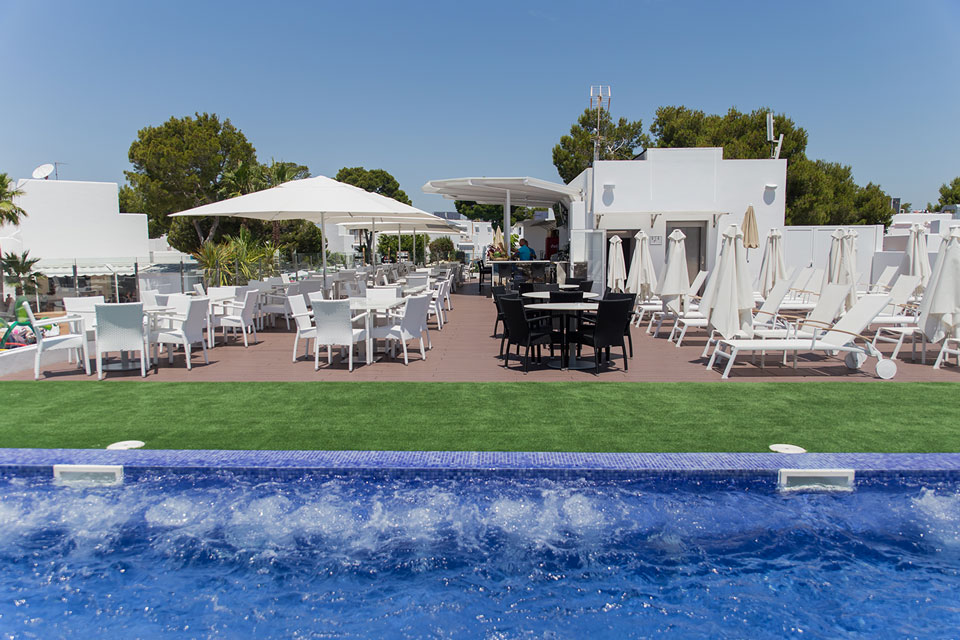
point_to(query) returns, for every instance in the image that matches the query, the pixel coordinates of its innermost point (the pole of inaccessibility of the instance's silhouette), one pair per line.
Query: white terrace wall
(810, 245)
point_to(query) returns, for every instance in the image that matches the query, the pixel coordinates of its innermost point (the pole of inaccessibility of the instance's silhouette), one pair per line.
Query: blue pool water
(221, 555)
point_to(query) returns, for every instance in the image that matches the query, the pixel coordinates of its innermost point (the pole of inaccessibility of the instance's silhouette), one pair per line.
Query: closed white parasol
(915, 261)
(841, 263)
(642, 276)
(728, 298)
(675, 279)
(940, 307)
(772, 267)
(616, 267)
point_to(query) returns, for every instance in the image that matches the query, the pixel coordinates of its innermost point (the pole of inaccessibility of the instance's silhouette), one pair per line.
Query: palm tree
(276, 174)
(19, 272)
(10, 212)
(242, 179)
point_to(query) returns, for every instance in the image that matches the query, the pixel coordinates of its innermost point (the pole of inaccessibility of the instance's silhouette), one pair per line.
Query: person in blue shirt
(525, 252)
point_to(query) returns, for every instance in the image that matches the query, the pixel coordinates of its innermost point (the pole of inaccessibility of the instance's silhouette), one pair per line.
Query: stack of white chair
(273, 305)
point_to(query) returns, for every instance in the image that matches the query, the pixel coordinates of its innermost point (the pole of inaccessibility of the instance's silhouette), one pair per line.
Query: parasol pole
(323, 248)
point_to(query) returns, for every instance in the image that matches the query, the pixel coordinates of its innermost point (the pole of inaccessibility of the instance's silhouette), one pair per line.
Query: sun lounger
(689, 308)
(946, 352)
(898, 312)
(800, 297)
(765, 316)
(882, 285)
(839, 338)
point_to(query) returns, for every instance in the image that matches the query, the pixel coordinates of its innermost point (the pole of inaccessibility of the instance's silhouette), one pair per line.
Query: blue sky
(448, 89)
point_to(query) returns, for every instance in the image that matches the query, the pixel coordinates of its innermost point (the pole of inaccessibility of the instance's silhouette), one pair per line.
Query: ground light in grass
(126, 444)
(787, 448)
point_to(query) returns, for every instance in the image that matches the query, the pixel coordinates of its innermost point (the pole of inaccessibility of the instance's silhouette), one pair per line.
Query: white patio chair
(418, 280)
(85, 307)
(451, 283)
(838, 338)
(312, 286)
(198, 289)
(408, 327)
(334, 327)
(303, 324)
(436, 303)
(120, 328)
(149, 297)
(184, 327)
(77, 340)
(240, 316)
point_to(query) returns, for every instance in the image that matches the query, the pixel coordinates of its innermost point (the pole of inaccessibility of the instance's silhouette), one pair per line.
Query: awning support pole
(506, 225)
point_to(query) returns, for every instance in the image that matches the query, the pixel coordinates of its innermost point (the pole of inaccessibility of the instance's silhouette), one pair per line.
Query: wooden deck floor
(466, 351)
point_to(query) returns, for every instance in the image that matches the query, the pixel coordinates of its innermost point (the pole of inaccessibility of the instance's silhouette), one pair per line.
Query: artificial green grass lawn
(616, 417)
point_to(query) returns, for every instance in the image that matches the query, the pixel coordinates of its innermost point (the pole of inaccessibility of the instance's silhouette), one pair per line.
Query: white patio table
(370, 307)
(566, 309)
(545, 295)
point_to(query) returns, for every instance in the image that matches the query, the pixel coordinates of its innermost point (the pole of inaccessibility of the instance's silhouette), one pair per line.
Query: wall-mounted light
(769, 185)
(608, 185)
(653, 219)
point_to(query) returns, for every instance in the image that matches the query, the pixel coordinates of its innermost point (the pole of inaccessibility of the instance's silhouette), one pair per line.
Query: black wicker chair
(632, 297)
(607, 331)
(585, 285)
(523, 331)
(497, 292)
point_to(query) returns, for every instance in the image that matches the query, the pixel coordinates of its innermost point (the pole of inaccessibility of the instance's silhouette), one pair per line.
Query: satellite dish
(42, 171)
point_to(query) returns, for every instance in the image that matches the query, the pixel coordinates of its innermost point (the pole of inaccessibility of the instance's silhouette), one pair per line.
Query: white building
(695, 190)
(69, 220)
(476, 235)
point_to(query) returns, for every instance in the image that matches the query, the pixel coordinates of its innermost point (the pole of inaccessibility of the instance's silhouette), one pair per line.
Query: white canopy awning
(65, 270)
(507, 192)
(524, 192)
(318, 199)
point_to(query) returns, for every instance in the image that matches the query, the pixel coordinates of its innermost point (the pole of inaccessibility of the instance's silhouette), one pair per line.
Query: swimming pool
(381, 555)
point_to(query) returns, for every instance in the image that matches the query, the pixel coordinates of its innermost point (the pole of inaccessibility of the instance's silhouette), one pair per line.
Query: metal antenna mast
(599, 100)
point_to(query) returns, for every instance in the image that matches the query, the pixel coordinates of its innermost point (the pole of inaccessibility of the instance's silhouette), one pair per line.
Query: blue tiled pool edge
(32, 461)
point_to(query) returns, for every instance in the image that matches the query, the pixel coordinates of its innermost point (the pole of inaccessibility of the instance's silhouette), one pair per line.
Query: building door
(695, 242)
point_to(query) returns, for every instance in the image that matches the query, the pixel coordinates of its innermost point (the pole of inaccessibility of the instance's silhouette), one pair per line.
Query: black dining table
(568, 359)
